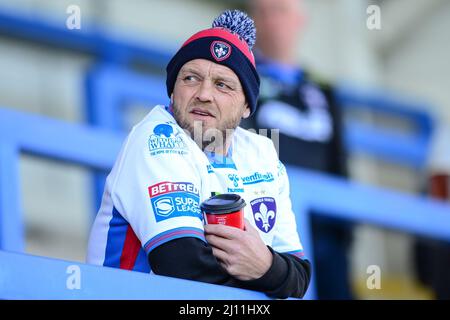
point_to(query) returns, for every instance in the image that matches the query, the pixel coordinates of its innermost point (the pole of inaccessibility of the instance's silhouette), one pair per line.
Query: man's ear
(246, 113)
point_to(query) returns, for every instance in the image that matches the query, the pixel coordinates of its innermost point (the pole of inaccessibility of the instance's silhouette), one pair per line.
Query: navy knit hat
(229, 42)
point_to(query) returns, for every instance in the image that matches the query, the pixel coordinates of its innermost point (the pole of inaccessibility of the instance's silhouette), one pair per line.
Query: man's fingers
(248, 227)
(218, 242)
(222, 231)
(220, 255)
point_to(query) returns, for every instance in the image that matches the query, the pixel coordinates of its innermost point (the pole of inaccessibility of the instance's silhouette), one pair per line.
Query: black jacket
(191, 258)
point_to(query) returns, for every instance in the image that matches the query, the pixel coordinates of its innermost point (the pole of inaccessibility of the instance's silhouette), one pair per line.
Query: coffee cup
(226, 209)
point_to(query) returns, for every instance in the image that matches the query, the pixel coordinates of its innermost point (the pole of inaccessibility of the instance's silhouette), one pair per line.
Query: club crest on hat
(220, 50)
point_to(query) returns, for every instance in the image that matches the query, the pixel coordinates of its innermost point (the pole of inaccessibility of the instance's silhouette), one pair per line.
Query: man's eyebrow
(226, 79)
(218, 77)
(190, 70)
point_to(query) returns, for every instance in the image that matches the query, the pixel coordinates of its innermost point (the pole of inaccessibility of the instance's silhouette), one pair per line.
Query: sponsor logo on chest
(258, 178)
(174, 199)
(234, 178)
(164, 140)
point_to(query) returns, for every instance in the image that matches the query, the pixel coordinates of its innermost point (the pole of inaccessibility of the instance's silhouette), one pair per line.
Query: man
(309, 124)
(150, 221)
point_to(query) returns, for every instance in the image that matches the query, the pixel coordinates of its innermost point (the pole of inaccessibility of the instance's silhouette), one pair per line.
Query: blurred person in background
(309, 124)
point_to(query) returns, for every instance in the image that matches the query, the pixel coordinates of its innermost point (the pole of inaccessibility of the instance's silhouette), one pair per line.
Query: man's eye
(222, 85)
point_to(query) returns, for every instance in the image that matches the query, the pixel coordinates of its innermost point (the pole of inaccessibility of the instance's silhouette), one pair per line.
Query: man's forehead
(203, 66)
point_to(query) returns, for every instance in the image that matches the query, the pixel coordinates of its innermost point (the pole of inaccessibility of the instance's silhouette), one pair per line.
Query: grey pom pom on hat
(239, 23)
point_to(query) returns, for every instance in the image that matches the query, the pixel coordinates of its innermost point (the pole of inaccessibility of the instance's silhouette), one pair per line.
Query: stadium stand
(111, 84)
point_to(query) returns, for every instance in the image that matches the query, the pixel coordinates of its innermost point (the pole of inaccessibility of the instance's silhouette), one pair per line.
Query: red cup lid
(223, 203)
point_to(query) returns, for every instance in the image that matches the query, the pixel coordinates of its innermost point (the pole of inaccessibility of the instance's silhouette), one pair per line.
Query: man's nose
(204, 92)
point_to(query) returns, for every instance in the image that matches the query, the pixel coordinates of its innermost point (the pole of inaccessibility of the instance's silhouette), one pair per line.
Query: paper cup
(226, 209)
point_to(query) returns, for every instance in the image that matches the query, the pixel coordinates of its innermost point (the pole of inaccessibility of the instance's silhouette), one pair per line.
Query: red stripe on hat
(130, 250)
(226, 35)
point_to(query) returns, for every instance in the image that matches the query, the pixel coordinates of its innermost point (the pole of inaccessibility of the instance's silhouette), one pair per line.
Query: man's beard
(210, 139)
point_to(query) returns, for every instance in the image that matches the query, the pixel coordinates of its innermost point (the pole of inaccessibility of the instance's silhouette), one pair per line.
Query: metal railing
(97, 148)
(110, 85)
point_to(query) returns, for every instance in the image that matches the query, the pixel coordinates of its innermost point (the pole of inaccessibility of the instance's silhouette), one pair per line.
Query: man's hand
(241, 252)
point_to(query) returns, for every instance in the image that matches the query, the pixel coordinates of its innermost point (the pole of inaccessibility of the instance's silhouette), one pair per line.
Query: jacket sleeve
(191, 258)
